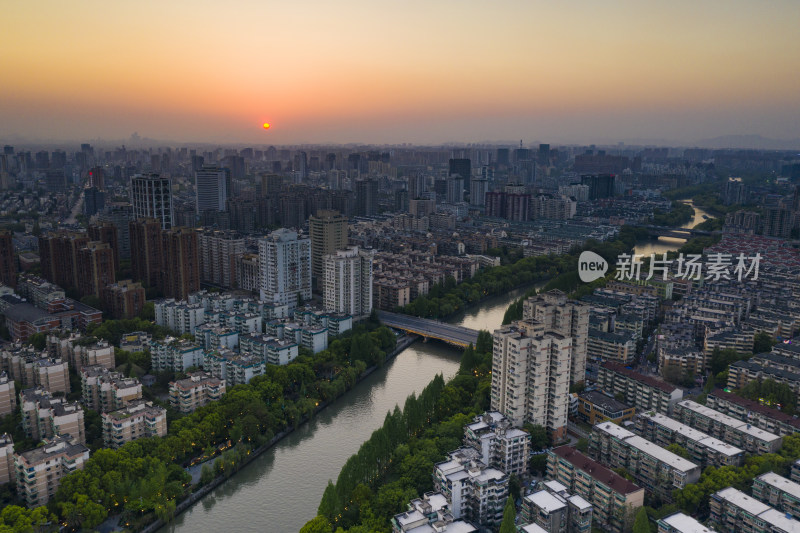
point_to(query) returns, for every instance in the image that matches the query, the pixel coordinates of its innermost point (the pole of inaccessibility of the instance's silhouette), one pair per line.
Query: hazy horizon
(576, 72)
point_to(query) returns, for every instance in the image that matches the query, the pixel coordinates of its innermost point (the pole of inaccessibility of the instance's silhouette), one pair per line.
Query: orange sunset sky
(400, 71)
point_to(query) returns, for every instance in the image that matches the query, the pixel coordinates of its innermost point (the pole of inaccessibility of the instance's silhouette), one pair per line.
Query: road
(76, 210)
(430, 328)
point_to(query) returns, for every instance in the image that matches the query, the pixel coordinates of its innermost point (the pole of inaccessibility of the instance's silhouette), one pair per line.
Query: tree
(677, 449)
(538, 463)
(328, 507)
(38, 340)
(641, 523)
(509, 518)
(514, 487)
(582, 445)
(539, 438)
(763, 342)
(320, 524)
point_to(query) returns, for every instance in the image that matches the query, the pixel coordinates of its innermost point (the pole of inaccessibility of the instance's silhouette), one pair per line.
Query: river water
(668, 244)
(280, 490)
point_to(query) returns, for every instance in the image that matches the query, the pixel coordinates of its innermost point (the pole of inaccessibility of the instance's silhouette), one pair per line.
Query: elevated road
(430, 329)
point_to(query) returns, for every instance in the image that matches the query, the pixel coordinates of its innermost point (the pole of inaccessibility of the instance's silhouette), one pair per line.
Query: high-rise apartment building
(348, 281)
(124, 299)
(106, 391)
(600, 185)
(106, 232)
(8, 259)
(58, 253)
(777, 222)
(328, 231)
(531, 369)
(212, 188)
(120, 215)
(151, 197)
(95, 268)
(455, 189)
(6, 459)
(285, 260)
(147, 252)
(567, 317)
(477, 191)
(463, 168)
(219, 251)
(367, 197)
(181, 263)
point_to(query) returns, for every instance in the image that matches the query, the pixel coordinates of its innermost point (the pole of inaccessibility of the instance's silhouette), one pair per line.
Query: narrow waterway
(279, 491)
(668, 244)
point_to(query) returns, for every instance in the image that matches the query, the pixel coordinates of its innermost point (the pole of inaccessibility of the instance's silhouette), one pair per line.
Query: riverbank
(202, 491)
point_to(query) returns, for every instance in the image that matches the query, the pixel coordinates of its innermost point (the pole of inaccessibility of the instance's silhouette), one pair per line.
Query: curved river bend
(280, 490)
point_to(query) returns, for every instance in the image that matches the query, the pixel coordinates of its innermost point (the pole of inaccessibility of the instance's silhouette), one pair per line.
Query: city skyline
(417, 73)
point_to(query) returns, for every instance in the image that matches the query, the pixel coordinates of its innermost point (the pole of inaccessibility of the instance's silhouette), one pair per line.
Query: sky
(390, 71)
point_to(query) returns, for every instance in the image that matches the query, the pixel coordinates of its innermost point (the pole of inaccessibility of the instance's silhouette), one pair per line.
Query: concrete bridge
(430, 329)
(678, 233)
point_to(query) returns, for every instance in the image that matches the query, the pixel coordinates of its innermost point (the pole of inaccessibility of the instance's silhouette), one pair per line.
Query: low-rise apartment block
(429, 514)
(619, 347)
(45, 416)
(180, 317)
(8, 395)
(733, 511)
(39, 471)
(87, 352)
(198, 389)
(595, 407)
(614, 499)
(35, 369)
(556, 511)
(656, 469)
(645, 392)
(234, 368)
(474, 491)
(106, 391)
(501, 446)
(752, 412)
(733, 431)
(138, 419)
(779, 492)
(702, 448)
(681, 523)
(176, 355)
(273, 350)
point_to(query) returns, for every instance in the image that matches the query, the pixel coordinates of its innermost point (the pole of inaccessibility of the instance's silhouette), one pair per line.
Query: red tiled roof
(653, 382)
(753, 405)
(599, 472)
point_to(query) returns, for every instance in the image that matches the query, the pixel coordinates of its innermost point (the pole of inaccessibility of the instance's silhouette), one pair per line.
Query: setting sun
(266, 125)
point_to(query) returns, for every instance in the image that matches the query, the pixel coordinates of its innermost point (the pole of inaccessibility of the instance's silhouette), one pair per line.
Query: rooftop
(729, 421)
(694, 434)
(604, 401)
(781, 483)
(742, 500)
(653, 382)
(546, 501)
(752, 405)
(686, 524)
(599, 472)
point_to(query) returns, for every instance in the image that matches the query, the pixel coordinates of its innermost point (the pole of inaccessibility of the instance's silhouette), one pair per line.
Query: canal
(668, 244)
(280, 490)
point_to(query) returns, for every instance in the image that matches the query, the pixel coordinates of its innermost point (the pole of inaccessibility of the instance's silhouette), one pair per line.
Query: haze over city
(387, 72)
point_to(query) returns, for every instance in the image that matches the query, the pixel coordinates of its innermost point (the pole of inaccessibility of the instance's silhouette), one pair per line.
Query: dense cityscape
(172, 313)
(400, 267)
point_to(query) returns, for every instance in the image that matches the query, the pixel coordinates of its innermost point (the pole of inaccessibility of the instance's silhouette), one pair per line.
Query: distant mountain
(755, 142)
